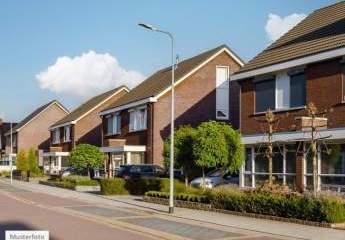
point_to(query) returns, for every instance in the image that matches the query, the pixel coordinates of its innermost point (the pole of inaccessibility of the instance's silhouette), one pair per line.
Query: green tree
(183, 150)
(86, 156)
(217, 145)
(21, 162)
(32, 162)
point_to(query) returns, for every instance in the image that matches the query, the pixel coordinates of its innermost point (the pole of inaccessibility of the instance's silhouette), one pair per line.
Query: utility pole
(11, 152)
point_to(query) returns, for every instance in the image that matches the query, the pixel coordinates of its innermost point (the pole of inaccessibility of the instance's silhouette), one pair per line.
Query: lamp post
(11, 152)
(171, 172)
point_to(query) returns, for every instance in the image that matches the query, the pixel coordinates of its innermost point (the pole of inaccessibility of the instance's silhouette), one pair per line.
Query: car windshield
(215, 173)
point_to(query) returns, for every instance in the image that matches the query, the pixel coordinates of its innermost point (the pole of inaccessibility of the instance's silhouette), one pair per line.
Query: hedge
(319, 209)
(80, 180)
(140, 186)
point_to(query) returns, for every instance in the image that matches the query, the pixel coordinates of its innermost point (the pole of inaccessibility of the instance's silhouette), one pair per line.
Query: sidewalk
(244, 223)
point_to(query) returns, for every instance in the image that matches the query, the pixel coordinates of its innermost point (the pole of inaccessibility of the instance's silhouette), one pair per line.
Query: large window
(284, 91)
(56, 136)
(113, 124)
(256, 166)
(222, 92)
(137, 119)
(67, 134)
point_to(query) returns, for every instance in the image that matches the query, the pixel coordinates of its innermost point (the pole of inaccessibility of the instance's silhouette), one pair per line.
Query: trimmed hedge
(179, 196)
(80, 180)
(114, 186)
(141, 186)
(291, 205)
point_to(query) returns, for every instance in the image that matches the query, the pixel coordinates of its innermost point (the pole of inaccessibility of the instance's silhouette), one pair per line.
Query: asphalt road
(25, 210)
(65, 217)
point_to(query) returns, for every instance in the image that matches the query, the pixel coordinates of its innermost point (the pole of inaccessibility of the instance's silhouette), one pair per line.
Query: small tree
(32, 162)
(86, 156)
(217, 145)
(183, 149)
(21, 162)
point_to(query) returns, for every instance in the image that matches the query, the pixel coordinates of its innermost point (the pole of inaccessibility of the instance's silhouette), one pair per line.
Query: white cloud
(87, 75)
(276, 26)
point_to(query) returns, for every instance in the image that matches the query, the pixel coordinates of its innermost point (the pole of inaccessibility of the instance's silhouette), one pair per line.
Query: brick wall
(195, 102)
(36, 133)
(324, 89)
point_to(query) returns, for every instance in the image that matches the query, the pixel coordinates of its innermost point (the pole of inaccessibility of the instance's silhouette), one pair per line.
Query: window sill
(282, 110)
(111, 134)
(138, 130)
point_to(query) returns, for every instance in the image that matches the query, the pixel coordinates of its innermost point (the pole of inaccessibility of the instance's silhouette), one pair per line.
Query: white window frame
(67, 137)
(133, 119)
(227, 88)
(116, 123)
(56, 136)
(282, 76)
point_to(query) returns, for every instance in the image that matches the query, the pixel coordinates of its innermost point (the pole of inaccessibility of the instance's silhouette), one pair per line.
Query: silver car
(212, 179)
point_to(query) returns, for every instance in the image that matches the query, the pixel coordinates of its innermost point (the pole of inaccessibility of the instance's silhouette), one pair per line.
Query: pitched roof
(321, 31)
(87, 106)
(35, 113)
(161, 80)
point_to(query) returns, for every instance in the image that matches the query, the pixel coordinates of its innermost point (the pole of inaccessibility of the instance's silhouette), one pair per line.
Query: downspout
(151, 129)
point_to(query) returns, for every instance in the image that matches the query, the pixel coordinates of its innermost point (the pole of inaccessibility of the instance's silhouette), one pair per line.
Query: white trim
(129, 105)
(56, 154)
(92, 109)
(62, 125)
(200, 66)
(125, 148)
(334, 133)
(54, 102)
(289, 64)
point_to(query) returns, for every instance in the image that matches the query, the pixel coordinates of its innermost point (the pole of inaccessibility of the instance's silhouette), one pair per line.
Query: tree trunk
(203, 179)
(186, 179)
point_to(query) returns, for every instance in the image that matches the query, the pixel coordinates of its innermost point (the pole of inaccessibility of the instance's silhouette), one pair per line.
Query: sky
(73, 50)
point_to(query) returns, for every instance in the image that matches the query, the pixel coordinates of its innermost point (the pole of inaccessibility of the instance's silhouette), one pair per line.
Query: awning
(125, 148)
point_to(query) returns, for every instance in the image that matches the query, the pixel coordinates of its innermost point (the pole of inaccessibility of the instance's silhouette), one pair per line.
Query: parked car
(140, 171)
(73, 171)
(213, 179)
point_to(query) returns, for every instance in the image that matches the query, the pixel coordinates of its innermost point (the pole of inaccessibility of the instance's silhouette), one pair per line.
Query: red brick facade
(195, 102)
(323, 88)
(88, 129)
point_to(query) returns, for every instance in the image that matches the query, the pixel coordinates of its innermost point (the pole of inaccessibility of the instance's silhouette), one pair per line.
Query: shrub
(80, 180)
(63, 184)
(4, 173)
(113, 186)
(179, 196)
(179, 187)
(32, 163)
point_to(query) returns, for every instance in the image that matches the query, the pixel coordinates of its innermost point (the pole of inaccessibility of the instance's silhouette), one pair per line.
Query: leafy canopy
(21, 162)
(86, 156)
(218, 145)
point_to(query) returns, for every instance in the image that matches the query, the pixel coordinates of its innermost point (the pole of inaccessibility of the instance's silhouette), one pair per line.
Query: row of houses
(306, 65)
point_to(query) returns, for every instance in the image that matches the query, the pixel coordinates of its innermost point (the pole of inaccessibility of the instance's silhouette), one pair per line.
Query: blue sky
(34, 34)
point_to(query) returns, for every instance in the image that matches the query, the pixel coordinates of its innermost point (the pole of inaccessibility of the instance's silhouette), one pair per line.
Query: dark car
(140, 171)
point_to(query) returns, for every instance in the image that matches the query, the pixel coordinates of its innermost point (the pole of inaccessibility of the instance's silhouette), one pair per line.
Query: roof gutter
(128, 105)
(289, 64)
(62, 125)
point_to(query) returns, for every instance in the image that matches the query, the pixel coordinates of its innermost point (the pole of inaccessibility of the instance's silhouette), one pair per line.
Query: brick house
(32, 131)
(135, 127)
(306, 65)
(82, 125)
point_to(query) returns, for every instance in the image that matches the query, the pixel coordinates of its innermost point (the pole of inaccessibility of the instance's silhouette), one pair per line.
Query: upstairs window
(67, 134)
(284, 91)
(56, 136)
(137, 119)
(265, 95)
(113, 124)
(222, 92)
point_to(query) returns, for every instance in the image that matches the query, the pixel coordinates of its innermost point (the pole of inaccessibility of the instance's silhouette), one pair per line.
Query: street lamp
(171, 172)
